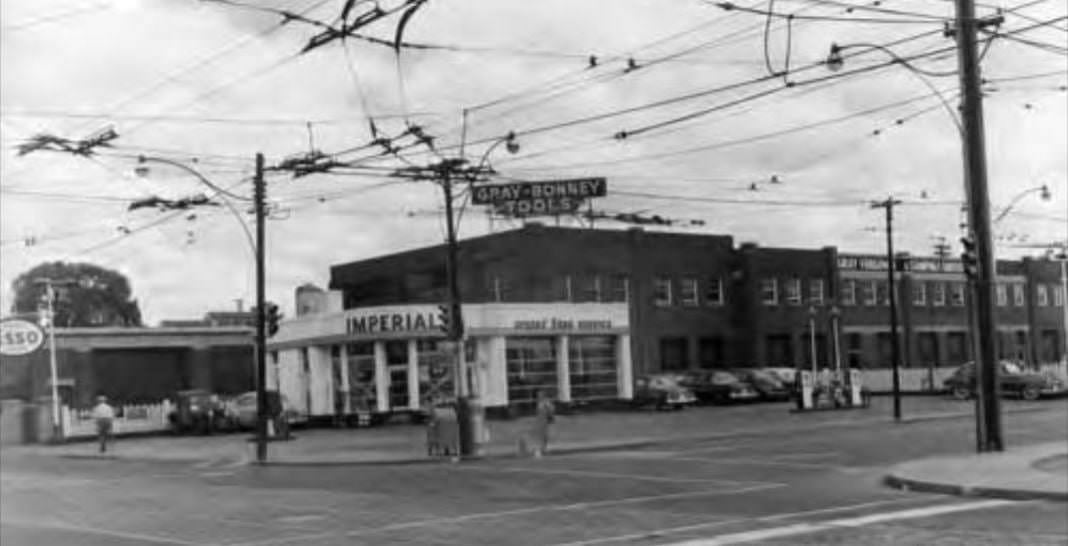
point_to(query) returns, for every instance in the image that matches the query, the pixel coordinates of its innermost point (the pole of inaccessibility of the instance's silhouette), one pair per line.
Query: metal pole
(1064, 300)
(812, 337)
(979, 221)
(259, 195)
(456, 332)
(837, 348)
(895, 347)
(53, 368)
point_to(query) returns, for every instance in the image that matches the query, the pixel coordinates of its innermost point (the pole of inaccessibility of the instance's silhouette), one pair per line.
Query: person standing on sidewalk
(104, 416)
(544, 416)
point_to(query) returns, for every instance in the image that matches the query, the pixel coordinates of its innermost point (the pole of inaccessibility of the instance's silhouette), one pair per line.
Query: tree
(87, 295)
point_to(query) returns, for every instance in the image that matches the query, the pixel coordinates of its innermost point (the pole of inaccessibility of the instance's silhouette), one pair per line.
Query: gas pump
(855, 385)
(806, 389)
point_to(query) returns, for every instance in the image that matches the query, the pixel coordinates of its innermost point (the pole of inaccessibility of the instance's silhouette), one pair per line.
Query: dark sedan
(720, 387)
(767, 384)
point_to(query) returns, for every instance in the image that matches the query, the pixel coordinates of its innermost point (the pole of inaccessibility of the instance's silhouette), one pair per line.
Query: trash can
(472, 419)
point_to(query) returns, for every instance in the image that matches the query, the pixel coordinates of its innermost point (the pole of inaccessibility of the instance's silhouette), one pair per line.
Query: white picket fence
(78, 423)
(918, 379)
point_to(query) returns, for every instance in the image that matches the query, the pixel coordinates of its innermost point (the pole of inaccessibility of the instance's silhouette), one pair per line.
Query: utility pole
(971, 110)
(456, 324)
(259, 197)
(895, 347)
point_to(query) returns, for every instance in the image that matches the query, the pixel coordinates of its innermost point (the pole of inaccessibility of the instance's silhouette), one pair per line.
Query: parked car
(241, 410)
(1012, 380)
(785, 374)
(196, 410)
(720, 387)
(662, 391)
(767, 384)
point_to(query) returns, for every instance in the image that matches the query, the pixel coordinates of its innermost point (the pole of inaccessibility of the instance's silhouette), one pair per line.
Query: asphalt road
(798, 488)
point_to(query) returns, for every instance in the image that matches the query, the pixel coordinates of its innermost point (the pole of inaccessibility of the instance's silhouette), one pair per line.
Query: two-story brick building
(581, 312)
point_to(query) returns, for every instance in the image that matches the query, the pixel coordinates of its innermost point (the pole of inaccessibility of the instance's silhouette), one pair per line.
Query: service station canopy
(542, 197)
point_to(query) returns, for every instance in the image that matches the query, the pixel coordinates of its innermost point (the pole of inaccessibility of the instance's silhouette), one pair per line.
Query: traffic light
(271, 318)
(969, 258)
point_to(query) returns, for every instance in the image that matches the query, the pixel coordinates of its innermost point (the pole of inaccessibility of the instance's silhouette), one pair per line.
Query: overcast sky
(210, 84)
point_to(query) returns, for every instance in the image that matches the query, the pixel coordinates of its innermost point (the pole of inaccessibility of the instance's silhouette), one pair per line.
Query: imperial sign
(19, 337)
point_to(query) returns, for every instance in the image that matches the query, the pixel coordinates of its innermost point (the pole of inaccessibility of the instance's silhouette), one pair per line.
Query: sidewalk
(1037, 471)
(583, 432)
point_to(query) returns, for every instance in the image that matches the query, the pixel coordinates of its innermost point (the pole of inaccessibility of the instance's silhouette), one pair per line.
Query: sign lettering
(396, 322)
(575, 189)
(562, 324)
(19, 337)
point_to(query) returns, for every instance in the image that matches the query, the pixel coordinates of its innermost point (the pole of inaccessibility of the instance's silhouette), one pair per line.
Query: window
(1018, 295)
(674, 355)
(919, 293)
(531, 366)
(714, 292)
(710, 352)
(589, 289)
(882, 290)
(1058, 296)
(938, 294)
(688, 292)
(870, 292)
(793, 291)
(618, 288)
(854, 350)
(815, 291)
(563, 290)
(956, 297)
(661, 292)
(849, 292)
(769, 291)
(593, 369)
(1002, 294)
(1041, 295)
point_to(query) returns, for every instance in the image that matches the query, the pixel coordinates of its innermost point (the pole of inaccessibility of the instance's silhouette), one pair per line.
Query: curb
(910, 484)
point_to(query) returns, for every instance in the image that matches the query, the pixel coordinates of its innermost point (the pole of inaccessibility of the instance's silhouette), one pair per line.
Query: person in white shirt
(104, 415)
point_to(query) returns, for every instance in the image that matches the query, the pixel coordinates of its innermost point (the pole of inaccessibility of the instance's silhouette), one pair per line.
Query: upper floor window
(1058, 296)
(769, 291)
(919, 293)
(498, 289)
(793, 291)
(618, 288)
(714, 291)
(1041, 295)
(1001, 292)
(957, 294)
(871, 293)
(661, 291)
(849, 292)
(938, 294)
(1018, 295)
(688, 292)
(815, 291)
(589, 289)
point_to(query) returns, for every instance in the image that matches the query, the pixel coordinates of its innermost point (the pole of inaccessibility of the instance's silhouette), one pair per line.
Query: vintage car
(662, 391)
(1012, 380)
(720, 387)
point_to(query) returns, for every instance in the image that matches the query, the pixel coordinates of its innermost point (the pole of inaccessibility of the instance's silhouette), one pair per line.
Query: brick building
(650, 302)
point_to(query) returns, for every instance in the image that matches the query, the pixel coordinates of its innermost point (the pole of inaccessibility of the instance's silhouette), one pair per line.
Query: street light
(258, 246)
(1043, 193)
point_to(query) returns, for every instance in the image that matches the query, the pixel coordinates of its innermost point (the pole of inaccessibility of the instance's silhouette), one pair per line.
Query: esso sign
(19, 337)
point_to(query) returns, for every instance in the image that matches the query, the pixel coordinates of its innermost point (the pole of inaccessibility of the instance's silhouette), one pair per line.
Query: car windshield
(765, 376)
(723, 378)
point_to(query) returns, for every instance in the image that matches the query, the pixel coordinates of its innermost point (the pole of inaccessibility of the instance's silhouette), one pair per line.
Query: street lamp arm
(510, 143)
(190, 170)
(1008, 208)
(227, 195)
(835, 59)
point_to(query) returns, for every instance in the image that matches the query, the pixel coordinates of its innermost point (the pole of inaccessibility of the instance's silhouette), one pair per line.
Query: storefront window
(435, 372)
(593, 367)
(531, 364)
(361, 363)
(397, 368)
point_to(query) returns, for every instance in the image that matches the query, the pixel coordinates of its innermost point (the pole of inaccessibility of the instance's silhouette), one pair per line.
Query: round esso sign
(19, 337)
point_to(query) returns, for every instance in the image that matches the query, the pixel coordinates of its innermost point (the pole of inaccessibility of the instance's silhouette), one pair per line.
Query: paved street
(809, 487)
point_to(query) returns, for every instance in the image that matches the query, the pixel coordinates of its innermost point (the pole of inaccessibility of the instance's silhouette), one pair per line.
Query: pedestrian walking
(104, 415)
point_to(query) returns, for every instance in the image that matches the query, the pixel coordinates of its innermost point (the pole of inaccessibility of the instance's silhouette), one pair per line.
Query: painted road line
(859, 521)
(659, 533)
(148, 539)
(759, 462)
(808, 455)
(509, 513)
(610, 475)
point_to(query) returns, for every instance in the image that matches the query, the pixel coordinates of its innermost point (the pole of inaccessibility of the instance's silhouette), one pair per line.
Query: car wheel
(961, 393)
(1029, 393)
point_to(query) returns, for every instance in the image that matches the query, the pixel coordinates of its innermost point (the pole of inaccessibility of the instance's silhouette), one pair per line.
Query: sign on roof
(575, 188)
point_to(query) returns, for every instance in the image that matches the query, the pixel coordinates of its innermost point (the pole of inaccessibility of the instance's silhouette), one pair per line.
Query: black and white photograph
(533, 273)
